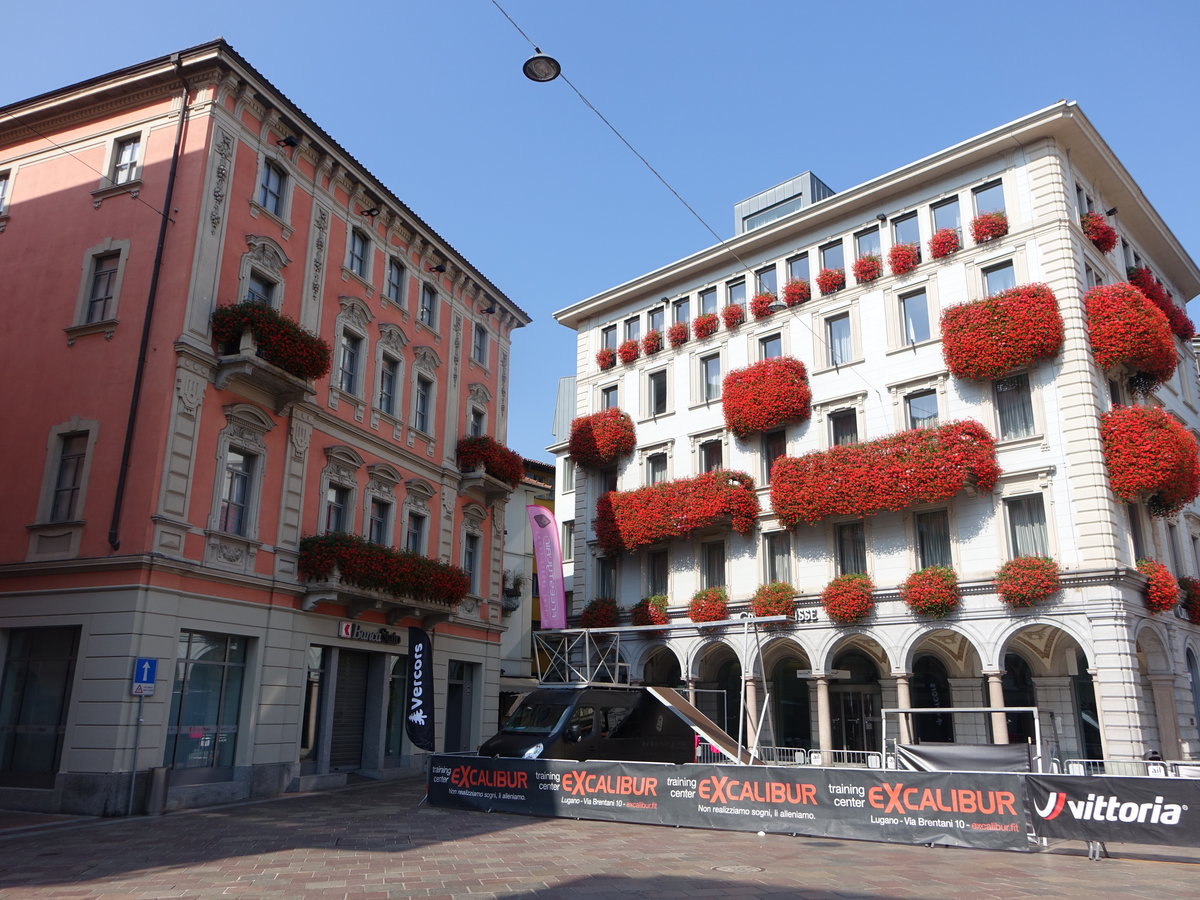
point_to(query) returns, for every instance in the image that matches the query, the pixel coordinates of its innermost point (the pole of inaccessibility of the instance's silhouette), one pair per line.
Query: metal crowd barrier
(798, 756)
(1147, 768)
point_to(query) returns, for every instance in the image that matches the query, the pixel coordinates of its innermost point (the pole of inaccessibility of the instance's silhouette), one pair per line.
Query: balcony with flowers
(601, 439)
(1150, 456)
(265, 356)
(490, 470)
(1099, 232)
(674, 510)
(1130, 334)
(766, 395)
(353, 572)
(990, 338)
(887, 475)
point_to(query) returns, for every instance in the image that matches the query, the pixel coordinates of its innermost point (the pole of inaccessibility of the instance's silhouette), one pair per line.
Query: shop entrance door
(855, 719)
(35, 693)
(349, 711)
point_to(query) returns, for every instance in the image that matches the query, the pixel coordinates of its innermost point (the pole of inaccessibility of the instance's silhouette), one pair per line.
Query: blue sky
(723, 99)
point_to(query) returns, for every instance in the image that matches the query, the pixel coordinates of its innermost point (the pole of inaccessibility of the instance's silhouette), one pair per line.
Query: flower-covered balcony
(1150, 455)
(766, 395)
(265, 356)
(890, 474)
(989, 338)
(490, 470)
(1128, 332)
(353, 572)
(599, 440)
(627, 520)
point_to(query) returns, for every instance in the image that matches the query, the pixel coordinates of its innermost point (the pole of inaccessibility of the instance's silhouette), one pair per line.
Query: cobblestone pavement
(373, 841)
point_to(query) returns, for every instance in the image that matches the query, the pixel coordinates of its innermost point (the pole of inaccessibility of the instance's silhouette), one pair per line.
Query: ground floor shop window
(460, 692)
(35, 693)
(205, 704)
(396, 743)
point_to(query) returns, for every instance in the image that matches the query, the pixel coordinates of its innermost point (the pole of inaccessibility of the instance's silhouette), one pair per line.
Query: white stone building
(1110, 678)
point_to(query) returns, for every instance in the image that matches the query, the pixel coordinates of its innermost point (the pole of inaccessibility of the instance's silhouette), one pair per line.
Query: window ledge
(705, 404)
(349, 274)
(54, 540)
(482, 367)
(235, 552)
(913, 348)
(105, 326)
(656, 417)
(425, 326)
(1020, 443)
(257, 209)
(108, 189)
(839, 367)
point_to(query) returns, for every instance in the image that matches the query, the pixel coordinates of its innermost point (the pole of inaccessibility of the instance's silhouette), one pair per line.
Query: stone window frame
(382, 481)
(661, 448)
(821, 412)
(473, 518)
(355, 318)
(425, 365)
(900, 391)
(107, 187)
(341, 468)
(1020, 483)
(419, 498)
(266, 259)
(60, 540)
(245, 430)
(390, 345)
(699, 438)
(79, 324)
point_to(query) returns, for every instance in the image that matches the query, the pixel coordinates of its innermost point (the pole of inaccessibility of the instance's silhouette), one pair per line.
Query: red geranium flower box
(373, 567)
(677, 334)
(867, 268)
(1099, 232)
(796, 292)
(281, 341)
(627, 520)
(760, 305)
(709, 605)
(606, 358)
(705, 326)
(932, 591)
(1126, 329)
(766, 395)
(652, 342)
(911, 468)
(830, 281)
(988, 227)
(600, 613)
(629, 351)
(733, 315)
(903, 258)
(989, 338)
(1026, 580)
(1161, 591)
(847, 599)
(1189, 588)
(496, 459)
(775, 599)
(650, 611)
(944, 242)
(1177, 319)
(1149, 453)
(602, 438)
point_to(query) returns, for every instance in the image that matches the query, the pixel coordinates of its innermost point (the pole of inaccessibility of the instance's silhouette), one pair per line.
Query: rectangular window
(1014, 406)
(72, 452)
(906, 230)
(5, 177)
(1083, 201)
(657, 388)
(798, 268)
(1126, 253)
(735, 292)
(608, 337)
(206, 701)
(843, 427)
(851, 548)
(683, 311)
(427, 313)
(125, 160)
(568, 540)
(710, 372)
(933, 538)
(710, 456)
(380, 519)
(1173, 546)
(708, 301)
(424, 397)
(414, 537)
(608, 480)
(479, 344)
(608, 397)
(259, 290)
(774, 445)
(606, 577)
(389, 375)
(471, 560)
(1027, 526)
(235, 492)
(104, 282)
(656, 468)
(476, 424)
(866, 243)
(656, 319)
(833, 256)
(358, 253)
(350, 360)
(946, 215)
(1090, 278)
(337, 508)
(989, 198)
(270, 190)
(394, 289)
(777, 548)
(657, 569)
(999, 278)
(712, 562)
(568, 475)
(633, 329)
(837, 337)
(914, 312)
(922, 409)
(770, 346)
(1135, 530)
(768, 281)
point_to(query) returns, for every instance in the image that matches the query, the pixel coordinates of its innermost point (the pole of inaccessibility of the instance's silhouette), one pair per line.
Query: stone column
(691, 690)
(824, 724)
(1162, 687)
(751, 692)
(996, 698)
(1099, 716)
(903, 701)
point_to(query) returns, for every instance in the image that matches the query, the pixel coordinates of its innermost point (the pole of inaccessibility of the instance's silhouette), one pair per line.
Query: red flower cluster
(629, 351)
(709, 605)
(988, 227)
(281, 342)
(775, 599)
(760, 305)
(600, 613)
(1126, 329)
(650, 611)
(796, 292)
(944, 242)
(374, 567)
(890, 474)
(626, 520)
(1099, 232)
(652, 342)
(1150, 453)
(496, 459)
(903, 258)
(705, 325)
(989, 338)
(733, 315)
(1144, 281)
(830, 281)
(677, 334)
(606, 358)
(847, 599)
(1189, 588)
(932, 591)
(1026, 580)
(1162, 591)
(766, 395)
(602, 438)
(867, 268)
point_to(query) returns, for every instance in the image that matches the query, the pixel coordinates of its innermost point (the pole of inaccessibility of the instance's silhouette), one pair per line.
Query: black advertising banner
(418, 706)
(965, 757)
(983, 810)
(1121, 810)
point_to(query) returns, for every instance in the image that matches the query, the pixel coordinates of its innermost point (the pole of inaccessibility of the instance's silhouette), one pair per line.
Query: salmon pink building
(260, 435)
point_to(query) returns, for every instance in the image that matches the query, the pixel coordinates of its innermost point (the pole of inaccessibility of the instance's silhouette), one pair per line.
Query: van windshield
(536, 718)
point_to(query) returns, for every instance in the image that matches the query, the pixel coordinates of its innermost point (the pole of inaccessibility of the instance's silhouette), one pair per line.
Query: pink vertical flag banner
(547, 551)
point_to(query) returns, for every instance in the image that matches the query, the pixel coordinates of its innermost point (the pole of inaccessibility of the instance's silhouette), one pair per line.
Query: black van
(593, 723)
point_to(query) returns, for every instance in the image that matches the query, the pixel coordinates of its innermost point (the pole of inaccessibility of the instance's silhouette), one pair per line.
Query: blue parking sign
(145, 670)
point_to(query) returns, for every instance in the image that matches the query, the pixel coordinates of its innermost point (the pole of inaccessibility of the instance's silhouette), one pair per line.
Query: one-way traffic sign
(145, 670)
